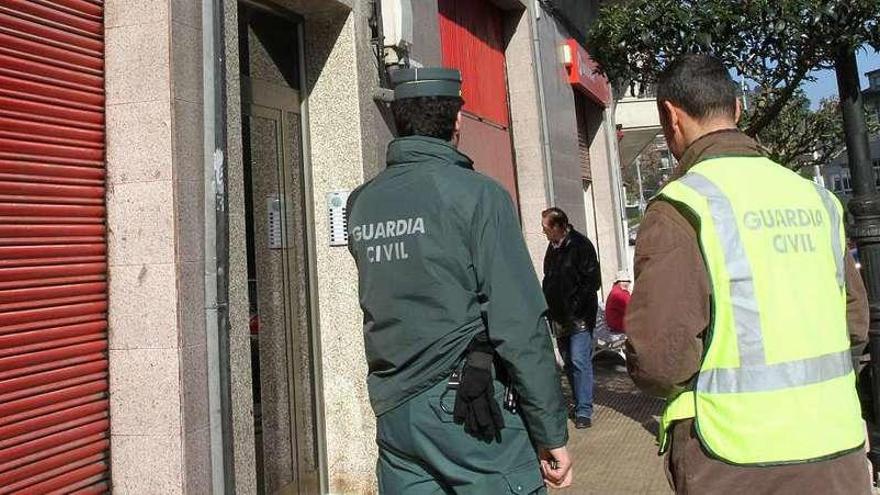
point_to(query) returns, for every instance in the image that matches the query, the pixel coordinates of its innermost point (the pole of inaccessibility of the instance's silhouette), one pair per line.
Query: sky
(826, 81)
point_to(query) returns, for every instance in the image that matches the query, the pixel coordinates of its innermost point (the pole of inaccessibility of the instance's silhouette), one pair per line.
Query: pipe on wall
(618, 201)
(549, 188)
(216, 247)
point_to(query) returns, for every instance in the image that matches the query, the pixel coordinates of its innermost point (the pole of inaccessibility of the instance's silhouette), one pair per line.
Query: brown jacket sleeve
(857, 317)
(670, 305)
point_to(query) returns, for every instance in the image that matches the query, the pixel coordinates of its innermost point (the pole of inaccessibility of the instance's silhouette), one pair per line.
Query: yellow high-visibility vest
(776, 385)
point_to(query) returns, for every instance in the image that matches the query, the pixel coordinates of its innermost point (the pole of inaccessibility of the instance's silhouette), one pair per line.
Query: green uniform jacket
(433, 239)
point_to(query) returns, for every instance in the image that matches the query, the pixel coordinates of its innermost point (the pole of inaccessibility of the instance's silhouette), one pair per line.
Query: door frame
(309, 220)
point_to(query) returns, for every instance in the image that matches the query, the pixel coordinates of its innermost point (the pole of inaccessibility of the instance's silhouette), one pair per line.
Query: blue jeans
(577, 352)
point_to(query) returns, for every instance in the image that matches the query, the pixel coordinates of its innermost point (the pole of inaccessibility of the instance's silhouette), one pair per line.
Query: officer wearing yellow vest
(747, 309)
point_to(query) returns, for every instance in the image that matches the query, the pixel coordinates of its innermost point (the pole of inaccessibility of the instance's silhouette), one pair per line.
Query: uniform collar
(723, 143)
(412, 150)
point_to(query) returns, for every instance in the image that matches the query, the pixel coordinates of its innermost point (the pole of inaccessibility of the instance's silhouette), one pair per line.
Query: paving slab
(618, 455)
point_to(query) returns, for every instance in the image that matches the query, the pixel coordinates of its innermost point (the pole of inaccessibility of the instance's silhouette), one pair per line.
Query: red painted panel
(472, 35)
(490, 148)
(583, 76)
(54, 408)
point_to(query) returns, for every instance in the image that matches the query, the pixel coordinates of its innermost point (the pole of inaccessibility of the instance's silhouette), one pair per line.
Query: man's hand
(556, 467)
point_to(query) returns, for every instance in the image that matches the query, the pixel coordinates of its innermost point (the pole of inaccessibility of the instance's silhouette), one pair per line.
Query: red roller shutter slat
(96, 474)
(88, 25)
(48, 336)
(55, 466)
(35, 362)
(51, 93)
(52, 171)
(54, 406)
(41, 448)
(31, 315)
(76, 413)
(52, 302)
(34, 69)
(48, 112)
(58, 133)
(25, 27)
(38, 51)
(96, 489)
(47, 425)
(56, 401)
(50, 190)
(39, 385)
(21, 148)
(31, 252)
(83, 8)
(14, 209)
(49, 271)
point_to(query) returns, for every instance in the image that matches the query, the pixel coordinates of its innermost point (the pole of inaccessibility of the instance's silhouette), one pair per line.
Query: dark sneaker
(581, 423)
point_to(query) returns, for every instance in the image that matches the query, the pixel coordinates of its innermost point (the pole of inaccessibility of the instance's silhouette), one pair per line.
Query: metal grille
(583, 131)
(54, 407)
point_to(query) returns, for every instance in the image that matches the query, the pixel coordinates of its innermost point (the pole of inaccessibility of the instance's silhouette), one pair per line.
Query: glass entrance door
(281, 330)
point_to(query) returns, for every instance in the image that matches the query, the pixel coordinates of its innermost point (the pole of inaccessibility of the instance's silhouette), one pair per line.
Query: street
(618, 455)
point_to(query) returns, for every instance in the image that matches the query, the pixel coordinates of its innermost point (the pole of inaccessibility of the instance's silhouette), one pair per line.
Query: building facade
(178, 311)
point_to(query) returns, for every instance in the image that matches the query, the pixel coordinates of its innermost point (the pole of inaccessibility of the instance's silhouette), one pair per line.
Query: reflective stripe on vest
(754, 374)
(833, 214)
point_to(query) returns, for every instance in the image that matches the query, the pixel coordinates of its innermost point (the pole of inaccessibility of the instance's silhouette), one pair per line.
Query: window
(877, 173)
(847, 185)
(664, 163)
(836, 183)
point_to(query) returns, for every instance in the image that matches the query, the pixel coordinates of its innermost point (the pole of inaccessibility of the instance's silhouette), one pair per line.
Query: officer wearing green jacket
(454, 320)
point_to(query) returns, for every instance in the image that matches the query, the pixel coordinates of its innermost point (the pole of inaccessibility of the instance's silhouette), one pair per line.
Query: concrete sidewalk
(617, 456)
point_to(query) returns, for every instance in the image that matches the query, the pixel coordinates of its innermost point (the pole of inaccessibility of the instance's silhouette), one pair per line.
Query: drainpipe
(542, 105)
(217, 248)
(617, 199)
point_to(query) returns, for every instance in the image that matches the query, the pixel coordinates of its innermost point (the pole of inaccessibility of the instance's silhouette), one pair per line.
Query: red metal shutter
(472, 36)
(472, 33)
(54, 407)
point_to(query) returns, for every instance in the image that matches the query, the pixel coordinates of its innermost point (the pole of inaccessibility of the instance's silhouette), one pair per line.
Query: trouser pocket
(525, 480)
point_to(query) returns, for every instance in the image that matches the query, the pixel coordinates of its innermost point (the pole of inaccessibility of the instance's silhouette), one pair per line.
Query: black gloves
(475, 404)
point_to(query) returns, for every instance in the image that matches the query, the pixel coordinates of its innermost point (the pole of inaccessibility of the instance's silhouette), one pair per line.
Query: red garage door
(472, 35)
(54, 421)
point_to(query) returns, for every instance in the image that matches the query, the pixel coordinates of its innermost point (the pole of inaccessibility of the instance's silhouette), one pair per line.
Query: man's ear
(739, 110)
(670, 114)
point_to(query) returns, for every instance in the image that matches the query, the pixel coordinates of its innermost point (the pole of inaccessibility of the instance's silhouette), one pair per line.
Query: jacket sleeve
(589, 275)
(857, 311)
(670, 305)
(588, 267)
(515, 313)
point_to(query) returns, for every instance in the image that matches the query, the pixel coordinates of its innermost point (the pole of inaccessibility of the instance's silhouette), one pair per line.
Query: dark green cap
(429, 81)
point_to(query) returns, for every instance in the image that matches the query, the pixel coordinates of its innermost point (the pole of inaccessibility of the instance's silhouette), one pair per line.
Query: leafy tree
(775, 44)
(800, 137)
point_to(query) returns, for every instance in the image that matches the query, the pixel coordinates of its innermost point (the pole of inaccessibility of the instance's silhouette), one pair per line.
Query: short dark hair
(555, 217)
(700, 85)
(432, 116)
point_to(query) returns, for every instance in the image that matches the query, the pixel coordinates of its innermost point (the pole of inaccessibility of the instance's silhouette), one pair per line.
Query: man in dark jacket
(438, 246)
(571, 279)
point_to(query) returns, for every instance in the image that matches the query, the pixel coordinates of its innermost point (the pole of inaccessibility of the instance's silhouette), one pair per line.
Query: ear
(671, 114)
(739, 109)
(456, 134)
